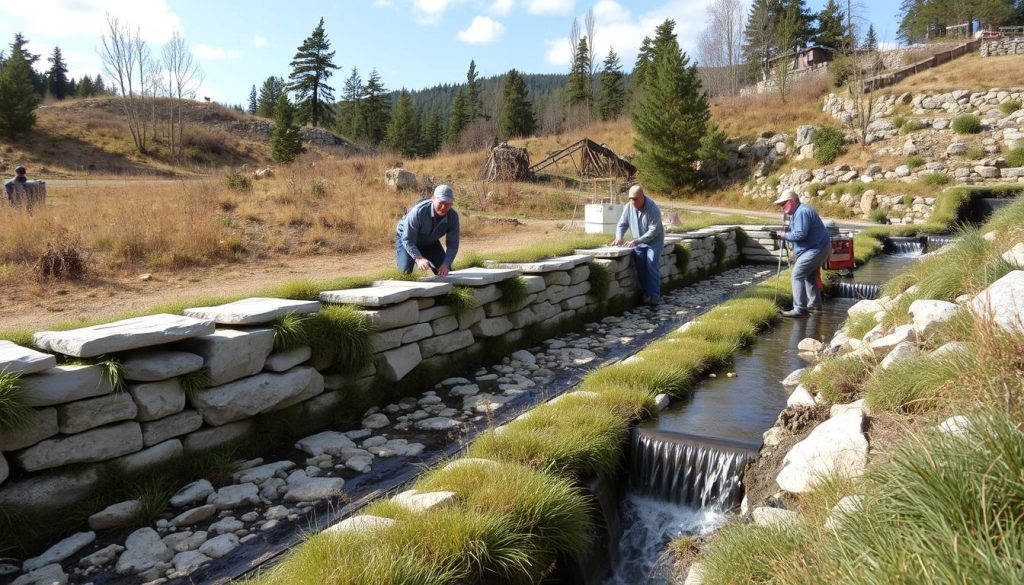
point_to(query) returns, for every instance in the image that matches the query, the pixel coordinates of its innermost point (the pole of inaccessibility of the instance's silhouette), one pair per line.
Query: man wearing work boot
(418, 234)
(643, 218)
(811, 247)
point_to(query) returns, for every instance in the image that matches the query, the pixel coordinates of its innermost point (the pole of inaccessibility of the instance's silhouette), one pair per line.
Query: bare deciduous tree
(125, 57)
(720, 46)
(184, 77)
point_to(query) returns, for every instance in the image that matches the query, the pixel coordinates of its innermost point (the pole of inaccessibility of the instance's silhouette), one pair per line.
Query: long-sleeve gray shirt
(644, 223)
(422, 227)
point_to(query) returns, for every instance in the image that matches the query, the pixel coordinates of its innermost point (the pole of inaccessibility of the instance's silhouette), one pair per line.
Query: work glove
(774, 235)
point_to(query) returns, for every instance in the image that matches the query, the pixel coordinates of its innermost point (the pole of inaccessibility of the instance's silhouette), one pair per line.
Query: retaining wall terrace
(1007, 46)
(80, 423)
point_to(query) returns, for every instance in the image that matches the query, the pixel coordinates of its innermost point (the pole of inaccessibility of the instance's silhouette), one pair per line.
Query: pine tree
(517, 118)
(272, 89)
(99, 87)
(870, 40)
(18, 46)
(759, 43)
(644, 59)
(403, 133)
(458, 118)
(577, 90)
(803, 21)
(312, 66)
(86, 88)
(474, 94)
(712, 152)
(832, 31)
(285, 142)
(433, 132)
(57, 76)
(669, 123)
(376, 106)
(18, 98)
(350, 116)
(253, 100)
(613, 92)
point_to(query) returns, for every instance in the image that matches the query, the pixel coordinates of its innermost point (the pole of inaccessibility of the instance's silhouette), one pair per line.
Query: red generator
(841, 257)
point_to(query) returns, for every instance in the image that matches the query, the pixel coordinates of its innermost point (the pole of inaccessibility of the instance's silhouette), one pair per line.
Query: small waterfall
(905, 246)
(936, 242)
(854, 290)
(693, 471)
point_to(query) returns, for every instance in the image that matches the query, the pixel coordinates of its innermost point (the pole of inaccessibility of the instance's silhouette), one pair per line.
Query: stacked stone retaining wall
(80, 422)
(1007, 46)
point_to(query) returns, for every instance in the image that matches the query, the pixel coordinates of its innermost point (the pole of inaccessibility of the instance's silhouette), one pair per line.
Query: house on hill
(799, 64)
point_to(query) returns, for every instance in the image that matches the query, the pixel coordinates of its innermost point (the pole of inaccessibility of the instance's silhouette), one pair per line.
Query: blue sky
(412, 43)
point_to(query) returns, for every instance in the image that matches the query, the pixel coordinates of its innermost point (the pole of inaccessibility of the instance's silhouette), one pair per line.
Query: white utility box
(601, 218)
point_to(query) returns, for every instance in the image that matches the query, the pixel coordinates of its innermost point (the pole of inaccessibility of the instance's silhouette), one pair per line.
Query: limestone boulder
(361, 523)
(394, 316)
(42, 424)
(230, 354)
(1002, 302)
(902, 352)
(1014, 256)
(125, 335)
(176, 425)
(421, 502)
(327, 442)
(286, 360)
(902, 334)
(49, 575)
(156, 365)
(929, 314)
(65, 384)
(210, 438)
(774, 517)
(151, 456)
(396, 363)
(15, 359)
(244, 398)
(398, 179)
(810, 345)
(253, 311)
(865, 307)
(82, 415)
(801, 396)
(116, 515)
(197, 491)
(835, 448)
(157, 400)
(235, 496)
(446, 343)
(93, 445)
(302, 488)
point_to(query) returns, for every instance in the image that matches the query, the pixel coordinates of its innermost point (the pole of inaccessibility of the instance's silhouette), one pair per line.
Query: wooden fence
(893, 77)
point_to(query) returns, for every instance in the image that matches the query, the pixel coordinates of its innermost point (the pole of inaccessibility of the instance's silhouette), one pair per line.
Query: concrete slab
(253, 311)
(15, 359)
(123, 335)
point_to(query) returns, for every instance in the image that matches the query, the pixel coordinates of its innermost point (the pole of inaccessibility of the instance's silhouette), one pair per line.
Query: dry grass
(967, 72)
(746, 116)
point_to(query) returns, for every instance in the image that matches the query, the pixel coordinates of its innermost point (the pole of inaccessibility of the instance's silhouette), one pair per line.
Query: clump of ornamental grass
(461, 300)
(290, 332)
(570, 441)
(600, 280)
(748, 553)
(649, 375)
(340, 337)
(915, 385)
(722, 329)
(15, 412)
(513, 292)
(857, 326)
(837, 380)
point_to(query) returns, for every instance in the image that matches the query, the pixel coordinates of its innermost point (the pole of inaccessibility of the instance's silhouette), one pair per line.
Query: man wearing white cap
(419, 232)
(811, 245)
(643, 218)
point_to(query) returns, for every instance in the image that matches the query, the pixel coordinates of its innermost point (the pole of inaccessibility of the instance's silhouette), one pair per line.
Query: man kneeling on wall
(811, 245)
(643, 218)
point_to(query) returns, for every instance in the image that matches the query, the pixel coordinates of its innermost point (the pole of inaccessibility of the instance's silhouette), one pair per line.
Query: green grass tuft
(937, 179)
(915, 161)
(1009, 106)
(14, 412)
(461, 300)
(966, 124)
(513, 293)
(600, 280)
(913, 385)
(1015, 158)
(290, 332)
(341, 337)
(194, 382)
(838, 380)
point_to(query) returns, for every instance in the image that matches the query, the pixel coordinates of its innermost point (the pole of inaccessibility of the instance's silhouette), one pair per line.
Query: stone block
(447, 343)
(475, 276)
(320, 411)
(522, 318)
(15, 359)
(176, 425)
(606, 252)
(485, 294)
(41, 425)
(75, 417)
(230, 354)
(51, 490)
(414, 333)
(155, 455)
(493, 327)
(156, 365)
(395, 316)
(211, 438)
(1002, 302)
(157, 400)
(470, 318)
(436, 312)
(574, 303)
(581, 274)
(534, 284)
(253, 311)
(835, 448)
(386, 292)
(94, 445)
(122, 335)
(396, 363)
(560, 278)
(315, 387)
(563, 263)
(386, 340)
(65, 384)
(444, 325)
(286, 360)
(244, 398)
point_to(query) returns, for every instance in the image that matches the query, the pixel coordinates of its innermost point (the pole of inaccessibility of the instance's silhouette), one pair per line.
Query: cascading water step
(853, 290)
(690, 470)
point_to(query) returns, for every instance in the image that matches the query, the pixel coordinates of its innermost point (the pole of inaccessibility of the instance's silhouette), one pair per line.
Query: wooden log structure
(595, 160)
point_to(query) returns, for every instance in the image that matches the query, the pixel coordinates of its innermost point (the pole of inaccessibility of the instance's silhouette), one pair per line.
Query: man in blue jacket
(418, 235)
(643, 218)
(811, 246)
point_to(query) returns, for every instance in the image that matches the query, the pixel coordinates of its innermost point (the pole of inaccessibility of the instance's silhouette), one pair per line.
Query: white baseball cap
(787, 195)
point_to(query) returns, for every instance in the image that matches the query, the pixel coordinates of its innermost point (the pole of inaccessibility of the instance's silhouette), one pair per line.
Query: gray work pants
(805, 279)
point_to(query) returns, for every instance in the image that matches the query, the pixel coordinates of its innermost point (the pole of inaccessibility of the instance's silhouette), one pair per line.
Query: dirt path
(35, 306)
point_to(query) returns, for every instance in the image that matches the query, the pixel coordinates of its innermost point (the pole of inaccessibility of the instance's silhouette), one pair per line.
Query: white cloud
(502, 7)
(430, 11)
(481, 31)
(382, 2)
(88, 18)
(550, 6)
(212, 53)
(259, 41)
(610, 11)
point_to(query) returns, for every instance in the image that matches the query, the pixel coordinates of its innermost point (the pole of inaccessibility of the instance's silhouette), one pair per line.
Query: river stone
(794, 377)
(122, 335)
(774, 517)
(1014, 255)
(809, 344)
(143, 551)
(958, 425)
(902, 352)
(361, 523)
(48, 575)
(102, 557)
(661, 402)
(15, 359)
(302, 488)
(901, 334)
(800, 397)
(232, 354)
(929, 313)
(158, 431)
(327, 442)
(65, 384)
(842, 510)
(393, 365)
(94, 445)
(188, 561)
(1003, 302)
(262, 473)
(253, 311)
(857, 406)
(155, 365)
(244, 398)
(60, 551)
(219, 546)
(42, 424)
(158, 400)
(185, 540)
(421, 502)
(235, 496)
(385, 292)
(115, 515)
(151, 456)
(865, 307)
(286, 360)
(836, 448)
(211, 438)
(75, 417)
(226, 525)
(197, 491)
(437, 423)
(194, 515)
(376, 421)
(49, 491)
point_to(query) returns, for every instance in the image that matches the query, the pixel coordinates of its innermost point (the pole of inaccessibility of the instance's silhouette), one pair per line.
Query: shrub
(915, 161)
(910, 126)
(967, 124)
(880, 215)
(238, 181)
(936, 179)
(828, 144)
(1010, 106)
(899, 121)
(975, 153)
(62, 259)
(1015, 158)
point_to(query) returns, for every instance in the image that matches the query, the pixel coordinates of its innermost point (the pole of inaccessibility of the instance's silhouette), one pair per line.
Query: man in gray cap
(9, 186)
(811, 245)
(643, 218)
(418, 235)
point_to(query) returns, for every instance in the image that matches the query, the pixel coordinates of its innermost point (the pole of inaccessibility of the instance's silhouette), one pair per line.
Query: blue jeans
(805, 279)
(433, 252)
(648, 272)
